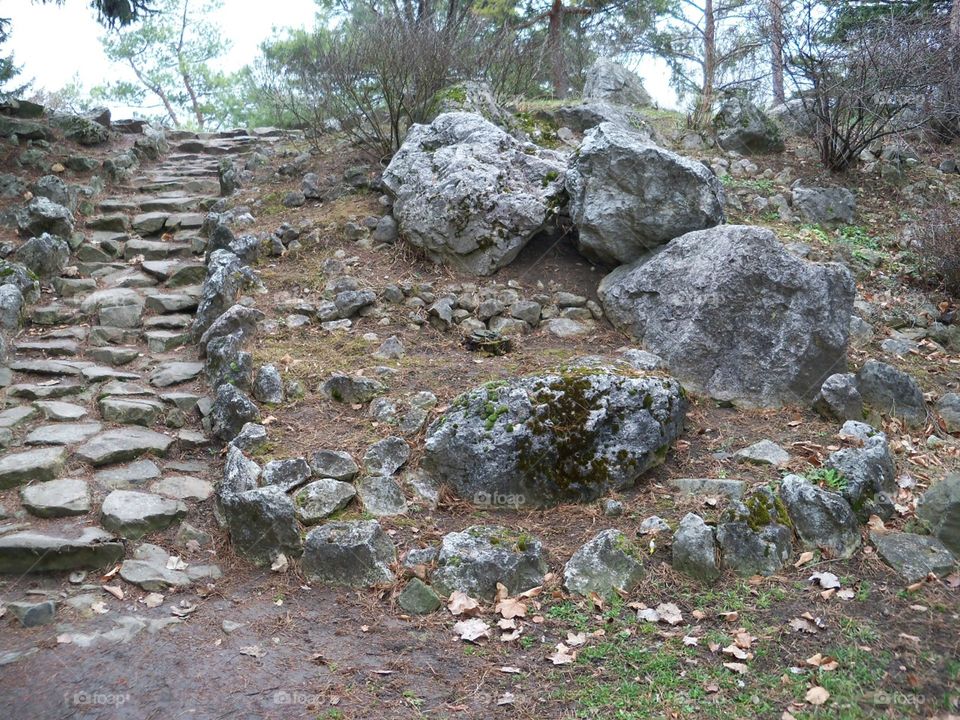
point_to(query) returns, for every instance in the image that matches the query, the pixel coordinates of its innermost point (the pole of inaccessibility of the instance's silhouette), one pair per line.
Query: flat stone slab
(130, 443)
(183, 487)
(130, 411)
(913, 556)
(156, 250)
(57, 498)
(62, 433)
(175, 373)
(51, 348)
(133, 514)
(161, 341)
(16, 416)
(171, 302)
(114, 355)
(732, 489)
(61, 411)
(99, 373)
(125, 477)
(48, 367)
(128, 389)
(31, 391)
(31, 551)
(148, 570)
(150, 223)
(37, 465)
(764, 452)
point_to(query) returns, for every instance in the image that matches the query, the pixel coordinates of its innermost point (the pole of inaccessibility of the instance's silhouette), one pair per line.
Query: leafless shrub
(880, 78)
(936, 241)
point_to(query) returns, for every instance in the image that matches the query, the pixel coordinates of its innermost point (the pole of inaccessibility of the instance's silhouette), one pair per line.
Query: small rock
(418, 598)
(606, 563)
(694, 551)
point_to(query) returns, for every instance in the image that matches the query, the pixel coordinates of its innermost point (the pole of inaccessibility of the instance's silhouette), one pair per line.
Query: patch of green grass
(859, 236)
(569, 612)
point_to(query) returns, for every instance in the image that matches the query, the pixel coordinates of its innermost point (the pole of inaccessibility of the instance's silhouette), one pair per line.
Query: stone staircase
(104, 393)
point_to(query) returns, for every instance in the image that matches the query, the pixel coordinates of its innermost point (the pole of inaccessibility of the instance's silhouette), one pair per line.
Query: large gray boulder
(891, 391)
(628, 196)
(939, 508)
(741, 126)
(45, 255)
(736, 315)
(581, 117)
(471, 195)
(357, 553)
(474, 97)
(608, 562)
(569, 435)
(606, 80)
(868, 472)
(475, 560)
(45, 216)
(821, 519)
(824, 205)
(262, 523)
(793, 117)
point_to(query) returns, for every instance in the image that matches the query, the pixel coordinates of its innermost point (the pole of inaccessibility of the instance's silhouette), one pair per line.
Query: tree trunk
(555, 48)
(705, 103)
(156, 90)
(776, 49)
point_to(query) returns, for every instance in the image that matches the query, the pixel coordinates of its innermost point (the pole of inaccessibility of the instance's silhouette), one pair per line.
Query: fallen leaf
(175, 563)
(743, 639)
(738, 653)
(846, 594)
(99, 608)
(817, 695)
(736, 667)
(511, 608)
(952, 580)
(563, 655)
(669, 613)
(711, 688)
(462, 604)
(648, 614)
(876, 524)
(510, 670)
(804, 558)
(472, 630)
(280, 564)
(511, 636)
(826, 580)
(576, 639)
(730, 617)
(805, 624)
(253, 651)
(699, 615)
(597, 601)
(532, 592)
(507, 698)
(152, 600)
(114, 590)
(537, 619)
(690, 640)
(507, 624)
(183, 609)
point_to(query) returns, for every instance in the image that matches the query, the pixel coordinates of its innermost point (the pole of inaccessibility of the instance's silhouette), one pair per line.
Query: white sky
(53, 43)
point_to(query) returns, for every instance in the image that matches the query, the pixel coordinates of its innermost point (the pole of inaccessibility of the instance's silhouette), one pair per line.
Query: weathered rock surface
(694, 549)
(32, 465)
(355, 554)
(33, 551)
(321, 498)
(821, 519)
(914, 556)
(469, 194)
(262, 523)
(891, 391)
(939, 508)
(606, 563)
(129, 443)
(476, 559)
(629, 196)
(57, 498)
(736, 315)
(133, 514)
(607, 80)
(570, 435)
(741, 126)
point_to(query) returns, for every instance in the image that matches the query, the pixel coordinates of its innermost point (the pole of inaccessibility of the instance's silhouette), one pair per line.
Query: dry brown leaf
(563, 655)
(817, 695)
(114, 590)
(511, 608)
(804, 558)
(462, 604)
(730, 617)
(738, 653)
(510, 670)
(736, 667)
(472, 630)
(576, 639)
(743, 639)
(690, 640)
(669, 613)
(532, 592)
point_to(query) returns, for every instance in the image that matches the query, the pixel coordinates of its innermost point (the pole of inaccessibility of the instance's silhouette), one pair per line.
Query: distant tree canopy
(116, 13)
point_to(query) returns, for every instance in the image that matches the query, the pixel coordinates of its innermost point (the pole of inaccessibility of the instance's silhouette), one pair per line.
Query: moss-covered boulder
(741, 126)
(566, 436)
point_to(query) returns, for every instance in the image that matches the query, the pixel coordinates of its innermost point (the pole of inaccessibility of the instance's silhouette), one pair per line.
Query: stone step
(32, 551)
(129, 443)
(157, 249)
(50, 348)
(62, 433)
